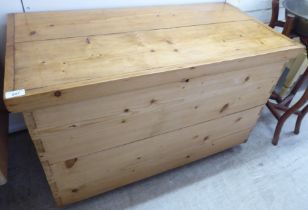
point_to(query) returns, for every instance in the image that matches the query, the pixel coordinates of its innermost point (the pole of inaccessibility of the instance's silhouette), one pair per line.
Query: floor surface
(255, 175)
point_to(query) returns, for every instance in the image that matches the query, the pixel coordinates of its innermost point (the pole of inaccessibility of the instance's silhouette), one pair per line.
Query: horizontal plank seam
(232, 133)
(170, 131)
(172, 68)
(216, 139)
(52, 129)
(127, 32)
(93, 121)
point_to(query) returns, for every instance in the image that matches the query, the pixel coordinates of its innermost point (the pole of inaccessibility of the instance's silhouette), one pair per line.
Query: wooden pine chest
(117, 95)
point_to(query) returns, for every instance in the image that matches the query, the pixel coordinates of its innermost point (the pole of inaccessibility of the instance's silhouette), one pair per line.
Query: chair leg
(297, 86)
(275, 13)
(289, 25)
(299, 120)
(279, 126)
(287, 114)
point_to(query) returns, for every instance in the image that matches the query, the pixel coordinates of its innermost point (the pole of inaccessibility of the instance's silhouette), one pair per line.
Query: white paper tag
(15, 93)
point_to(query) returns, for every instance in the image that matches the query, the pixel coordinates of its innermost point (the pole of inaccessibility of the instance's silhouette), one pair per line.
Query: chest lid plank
(60, 57)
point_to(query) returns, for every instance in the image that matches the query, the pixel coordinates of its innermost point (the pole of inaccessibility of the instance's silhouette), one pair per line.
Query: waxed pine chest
(112, 96)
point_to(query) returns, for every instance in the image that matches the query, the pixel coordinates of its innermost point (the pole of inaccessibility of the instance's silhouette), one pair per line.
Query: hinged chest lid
(60, 57)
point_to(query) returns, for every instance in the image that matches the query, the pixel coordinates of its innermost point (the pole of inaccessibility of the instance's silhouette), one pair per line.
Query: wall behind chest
(260, 9)
(45, 5)
(7, 6)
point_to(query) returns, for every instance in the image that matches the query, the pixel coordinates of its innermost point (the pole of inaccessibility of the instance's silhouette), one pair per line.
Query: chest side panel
(97, 145)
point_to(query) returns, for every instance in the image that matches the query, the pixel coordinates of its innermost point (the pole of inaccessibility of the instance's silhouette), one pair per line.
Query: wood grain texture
(9, 72)
(119, 56)
(115, 96)
(125, 163)
(31, 125)
(158, 97)
(88, 60)
(200, 99)
(72, 94)
(55, 25)
(159, 158)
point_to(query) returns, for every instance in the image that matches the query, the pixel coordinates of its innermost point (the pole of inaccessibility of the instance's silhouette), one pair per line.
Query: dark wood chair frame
(283, 105)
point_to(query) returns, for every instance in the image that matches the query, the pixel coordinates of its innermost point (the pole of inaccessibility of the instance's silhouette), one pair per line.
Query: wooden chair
(286, 25)
(283, 104)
